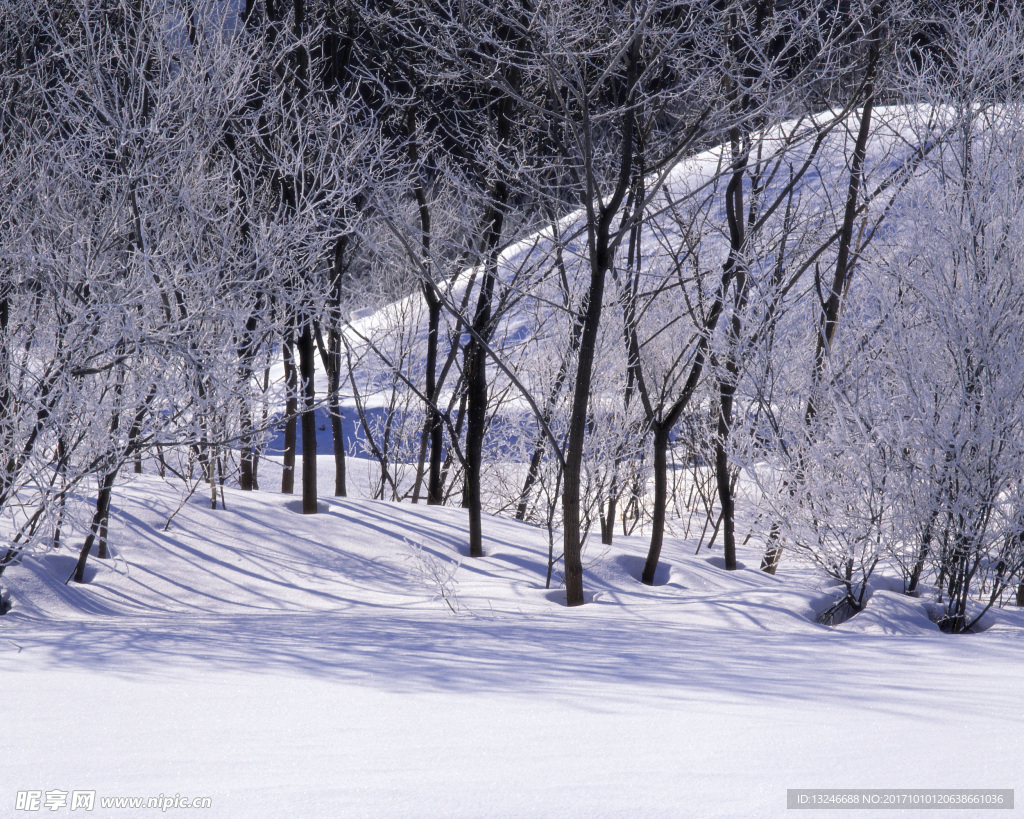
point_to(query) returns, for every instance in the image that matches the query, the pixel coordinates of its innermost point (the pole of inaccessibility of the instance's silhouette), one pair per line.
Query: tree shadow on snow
(524, 655)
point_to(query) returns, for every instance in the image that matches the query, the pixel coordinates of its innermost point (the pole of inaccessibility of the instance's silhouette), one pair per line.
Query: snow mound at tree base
(889, 612)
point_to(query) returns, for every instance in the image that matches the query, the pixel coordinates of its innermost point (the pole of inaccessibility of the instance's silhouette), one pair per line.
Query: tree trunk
(101, 539)
(60, 519)
(290, 409)
(608, 521)
(773, 551)
(476, 396)
(330, 357)
(338, 438)
(307, 368)
(672, 416)
(104, 500)
(333, 368)
(601, 252)
(922, 554)
(102, 507)
(532, 473)
(5, 360)
(258, 450)
(722, 477)
(572, 543)
(245, 464)
(433, 425)
(62, 454)
(475, 422)
(476, 355)
(661, 433)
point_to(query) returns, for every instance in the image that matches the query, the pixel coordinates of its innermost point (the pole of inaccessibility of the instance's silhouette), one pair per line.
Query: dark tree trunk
(257, 450)
(102, 508)
(5, 355)
(101, 538)
(136, 430)
(726, 397)
(773, 551)
(291, 406)
(723, 477)
(602, 252)
(476, 421)
(433, 425)
(476, 377)
(671, 418)
(62, 453)
(608, 520)
(61, 502)
(738, 218)
(476, 354)
(922, 554)
(660, 445)
(333, 367)
(331, 359)
(102, 516)
(338, 439)
(307, 366)
(246, 478)
(246, 353)
(532, 473)
(572, 544)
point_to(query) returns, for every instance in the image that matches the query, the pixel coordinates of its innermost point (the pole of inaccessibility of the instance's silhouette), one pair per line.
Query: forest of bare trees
(742, 267)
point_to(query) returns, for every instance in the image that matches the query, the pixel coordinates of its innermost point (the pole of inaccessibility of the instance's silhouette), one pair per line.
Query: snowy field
(355, 663)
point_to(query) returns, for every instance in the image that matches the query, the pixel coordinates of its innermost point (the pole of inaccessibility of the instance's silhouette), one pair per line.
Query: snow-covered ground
(313, 666)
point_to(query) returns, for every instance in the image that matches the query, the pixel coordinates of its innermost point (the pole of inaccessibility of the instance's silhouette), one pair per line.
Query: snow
(290, 665)
(359, 663)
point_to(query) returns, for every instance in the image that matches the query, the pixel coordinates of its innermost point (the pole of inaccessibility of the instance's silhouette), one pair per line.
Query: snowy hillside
(509, 409)
(542, 275)
(285, 665)
(359, 663)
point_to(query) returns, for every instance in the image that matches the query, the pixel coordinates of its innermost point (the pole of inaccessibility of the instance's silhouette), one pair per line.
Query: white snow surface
(290, 665)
